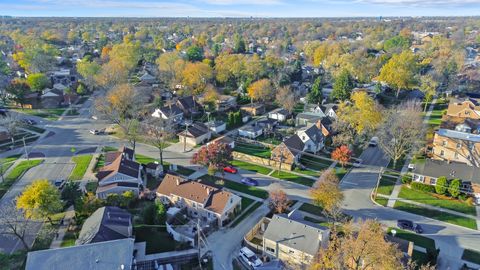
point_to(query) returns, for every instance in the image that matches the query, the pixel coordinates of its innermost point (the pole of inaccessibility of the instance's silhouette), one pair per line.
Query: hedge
(423, 187)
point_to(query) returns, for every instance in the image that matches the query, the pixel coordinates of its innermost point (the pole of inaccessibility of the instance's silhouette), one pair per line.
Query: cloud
(423, 3)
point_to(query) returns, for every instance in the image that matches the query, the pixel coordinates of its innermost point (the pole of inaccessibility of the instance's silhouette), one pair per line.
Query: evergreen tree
(315, 95)
(342, 88)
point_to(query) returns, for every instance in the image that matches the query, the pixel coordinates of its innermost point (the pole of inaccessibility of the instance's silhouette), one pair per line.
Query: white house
(279, 114)
(172, 113)
(312, 138)
(216, 126)
(250, 131)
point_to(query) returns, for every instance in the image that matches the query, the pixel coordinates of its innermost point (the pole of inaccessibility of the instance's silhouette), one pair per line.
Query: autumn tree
(195, 77)
(158, 132)
(14, 223)
(238, 44)
(40, 199)
(194, 53)
(37, 81)
(112, 73)
(342, 155)
(401, 131)
(400, 71)
(363, 113)
(358, 249)
(168, 64)
(343, 86)
(286, 98)
(327, 194)
(315, 96)
(18, 90)
(215, 156)
(428, 85)
(278, 201)
(210, 98)
(88, 70)
(260, 90)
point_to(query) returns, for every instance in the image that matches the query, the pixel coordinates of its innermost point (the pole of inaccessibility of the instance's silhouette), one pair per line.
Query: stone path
(69, 215)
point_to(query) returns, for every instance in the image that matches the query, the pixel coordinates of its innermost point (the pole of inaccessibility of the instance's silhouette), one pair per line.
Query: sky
(239, 8)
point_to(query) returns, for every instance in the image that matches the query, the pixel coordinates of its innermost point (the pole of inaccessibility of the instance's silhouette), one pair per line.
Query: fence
(261, 161)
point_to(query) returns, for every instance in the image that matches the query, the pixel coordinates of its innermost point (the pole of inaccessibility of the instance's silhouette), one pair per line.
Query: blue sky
(239, 8)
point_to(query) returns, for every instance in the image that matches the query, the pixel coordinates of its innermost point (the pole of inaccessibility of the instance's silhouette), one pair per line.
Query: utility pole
(199, 247)
(185, 138)
(378, 182)
(25, 148)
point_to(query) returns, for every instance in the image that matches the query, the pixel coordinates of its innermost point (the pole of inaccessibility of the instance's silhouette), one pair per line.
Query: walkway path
(69, 215)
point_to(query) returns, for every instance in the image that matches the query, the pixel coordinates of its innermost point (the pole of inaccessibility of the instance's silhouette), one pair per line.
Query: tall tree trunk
(397, 93)
(160, 150)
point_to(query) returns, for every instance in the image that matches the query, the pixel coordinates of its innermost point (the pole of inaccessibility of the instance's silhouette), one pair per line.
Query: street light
(187, 123)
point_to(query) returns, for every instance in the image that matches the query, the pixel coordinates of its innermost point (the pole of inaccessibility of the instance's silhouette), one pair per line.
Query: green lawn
(81, 165)
(437, 113)
(253, 150)
(438, 215)
(144, 159)
(34, 128)
(16, 172)
(386, 185)
(184, 170)
(49, 114)
(47, 233)
(251, 167)
(109, 149)
(340, 172)
(69, 239)
(270, 140)
(100, 162)
(254, 191)
(307, 172)
(471, 256)
(431, 199)
(315, 163)
(158, 240)
(382, 201)
(312, 209)
(246, 202)
(419, 240)
(293, 178)
(244, 214)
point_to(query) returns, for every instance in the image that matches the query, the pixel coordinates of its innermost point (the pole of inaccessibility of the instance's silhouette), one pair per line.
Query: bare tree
(402, 131)
(14, 224)
(158, 131)
(10, 122)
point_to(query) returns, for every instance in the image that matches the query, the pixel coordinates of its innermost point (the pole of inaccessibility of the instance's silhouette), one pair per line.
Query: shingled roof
(120, 165)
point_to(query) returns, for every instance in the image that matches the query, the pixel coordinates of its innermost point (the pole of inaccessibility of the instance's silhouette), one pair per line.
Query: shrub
(407, 179)
(463, 197)
(470, 201)
(423, 187)
(454, 187)
(441, 185)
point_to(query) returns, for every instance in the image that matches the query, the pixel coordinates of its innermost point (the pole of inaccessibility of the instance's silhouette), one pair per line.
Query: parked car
(409, 225)
(249, 258)
(358, 163)
(97, 132)
(59, 183)
(249, 181)
(411, 166)
(27, 121)
(230, 169)
(373, 142)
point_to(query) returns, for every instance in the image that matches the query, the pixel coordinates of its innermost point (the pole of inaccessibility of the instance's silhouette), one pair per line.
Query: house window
(291, 251)
(269, 249)
(194, 204)
(459, 145)
(442, 153)
(444, 143)
(433, 181)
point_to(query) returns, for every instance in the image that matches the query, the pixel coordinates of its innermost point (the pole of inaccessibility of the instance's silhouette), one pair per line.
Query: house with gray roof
(250, 131)
(294, 241)
(195, 134)
(106, 224)
(108, 255)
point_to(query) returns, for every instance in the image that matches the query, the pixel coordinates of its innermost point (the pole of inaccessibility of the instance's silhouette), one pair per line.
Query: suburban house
(267, 124)
(216, 126)
(189, 106)
(195, 134)
(225, 103)
(121, 173)
(466, 108)
(226, 140)
(429, 171)
(105, 224)
(289, 151)
(172, 113)
(330, 110)
(308, 118)
(250, 131)
(294, 241)
(459, 145)
(312, 138)
(279, 114)
(108, 255)
(210, 204)
(253, 109)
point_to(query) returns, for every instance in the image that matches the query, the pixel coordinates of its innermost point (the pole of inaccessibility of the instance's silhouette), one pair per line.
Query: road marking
(351, 183)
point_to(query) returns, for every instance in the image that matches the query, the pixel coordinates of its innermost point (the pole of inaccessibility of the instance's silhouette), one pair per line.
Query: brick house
(459, 145)
(465, 108)
(203, 201)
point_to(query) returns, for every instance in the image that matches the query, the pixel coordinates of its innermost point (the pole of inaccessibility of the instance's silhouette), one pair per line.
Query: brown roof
(212, 198)
(121, 165)
(111, 156)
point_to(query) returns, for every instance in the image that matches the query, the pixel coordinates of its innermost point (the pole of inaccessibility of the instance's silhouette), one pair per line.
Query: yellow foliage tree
(399, 72)
(362, 113)
(195, 77)
(260, 90)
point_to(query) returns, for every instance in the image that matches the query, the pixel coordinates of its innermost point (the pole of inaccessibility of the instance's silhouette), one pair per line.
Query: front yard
(386, 185)
(253, 150)
(315, 163)
(437, 200)
(254, 191)
(49, 114)
(293, 178)
(81, 165)
(16, 172)
(251, 167)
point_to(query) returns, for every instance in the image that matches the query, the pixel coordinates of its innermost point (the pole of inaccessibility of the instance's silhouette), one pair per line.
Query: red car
(230, 169)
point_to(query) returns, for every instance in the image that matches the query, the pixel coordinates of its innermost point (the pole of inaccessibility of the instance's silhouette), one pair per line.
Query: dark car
(59, 183)
(249, 181)
(409, 225)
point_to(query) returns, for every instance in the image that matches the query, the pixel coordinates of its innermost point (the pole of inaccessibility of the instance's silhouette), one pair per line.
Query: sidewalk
(57, 242)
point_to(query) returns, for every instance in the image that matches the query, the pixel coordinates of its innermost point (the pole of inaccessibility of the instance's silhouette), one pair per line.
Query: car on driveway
(230, 169)
(409, 225)
(249, 258)
(373, 142)
(358, 163)
(249, 181)
(59, 183)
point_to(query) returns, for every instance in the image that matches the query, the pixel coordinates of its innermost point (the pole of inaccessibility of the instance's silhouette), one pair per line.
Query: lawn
(47, 233)
(251, 167)
(421, 241)
(144, 159)
(81, 165)
(184, 170)
(315, 163)
(340, 172)
(270, 140)
(100, 162)
(437, 113)
(34, 128)
(254, 191)
(386, 185)
(244, 214)
(299, 108)
(436, 200)
(382, 201)
(312, 209)
(69, 239)
(16, 172)
(293, 178)
(471, 256)
(438, 215)
(307, 172)
(158, 240)
(246, 202)
(253, 150)
(49, 114)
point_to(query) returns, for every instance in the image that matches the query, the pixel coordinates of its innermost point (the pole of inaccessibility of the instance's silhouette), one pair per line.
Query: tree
(260, 90)
(112, 73)
(81, 89)
(160, 213)
(19, 91)
(315, 96)
(194, 53)
(278, 201)
(168, 64)
(14, 224)
(87, 205)
(196, 76)
(399, 72)
(327, 194)
(158, 132)
(71, 192)
(441, 185)
(454, 188)
(215, 156)
(89, 70)
(11, 122)
(429, 88)
(342, 154)
(400, 132)
(238, 44)
(285, 98)
(40, 199)
(359, 250)
(37, 81)
(343, 86)
(362, 114)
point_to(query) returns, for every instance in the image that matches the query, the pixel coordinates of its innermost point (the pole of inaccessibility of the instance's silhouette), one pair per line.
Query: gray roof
(438, 168)
(97, 256)
(196, 130)
(314, 133)
(459, 135)
(296, 234)
(105, 224)
(294, 144)
(250, 128)
(311, 116)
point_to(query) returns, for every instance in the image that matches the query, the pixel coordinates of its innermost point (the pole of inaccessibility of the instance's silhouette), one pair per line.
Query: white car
(249, 258)
(373, 142)
(411, 166)
(358, 163)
